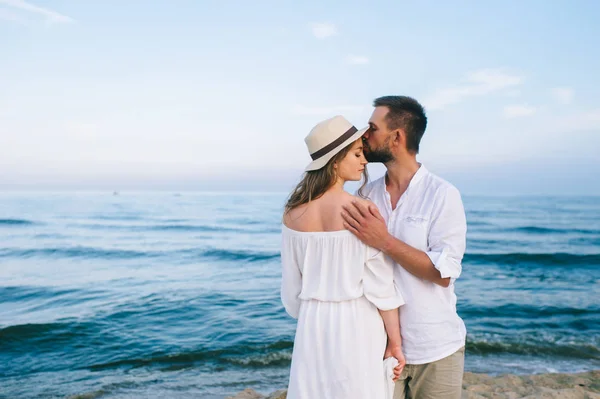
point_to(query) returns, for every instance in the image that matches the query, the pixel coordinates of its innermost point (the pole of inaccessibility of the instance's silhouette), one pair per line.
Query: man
(420, 224)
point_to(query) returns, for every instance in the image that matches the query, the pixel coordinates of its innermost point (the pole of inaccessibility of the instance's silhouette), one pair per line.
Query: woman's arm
(392, 326)
(394, 343)
(380, 289)
(291, 280)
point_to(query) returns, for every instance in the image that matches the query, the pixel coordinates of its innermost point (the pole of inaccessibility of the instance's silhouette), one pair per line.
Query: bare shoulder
(363, 201)
(348, 199)
(293, 218)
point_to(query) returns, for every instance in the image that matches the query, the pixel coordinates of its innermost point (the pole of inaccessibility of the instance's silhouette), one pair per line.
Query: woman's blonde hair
(315, 183)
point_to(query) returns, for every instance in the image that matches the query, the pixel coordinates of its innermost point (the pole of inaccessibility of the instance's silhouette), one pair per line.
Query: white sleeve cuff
(447, 266)
(386, 303)
(291, 305)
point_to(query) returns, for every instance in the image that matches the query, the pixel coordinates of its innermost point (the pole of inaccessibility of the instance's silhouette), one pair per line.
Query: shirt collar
(421, 172)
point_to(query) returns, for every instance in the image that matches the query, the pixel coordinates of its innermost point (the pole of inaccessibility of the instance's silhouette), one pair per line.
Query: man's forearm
(416, 262)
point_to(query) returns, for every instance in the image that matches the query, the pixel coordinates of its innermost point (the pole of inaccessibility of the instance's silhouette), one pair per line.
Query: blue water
(164, 295)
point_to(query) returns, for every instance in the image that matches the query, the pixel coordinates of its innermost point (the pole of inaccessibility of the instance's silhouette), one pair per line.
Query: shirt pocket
(412, 229)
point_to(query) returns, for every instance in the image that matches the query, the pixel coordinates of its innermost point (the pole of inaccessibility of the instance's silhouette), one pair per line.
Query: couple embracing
(370, 278)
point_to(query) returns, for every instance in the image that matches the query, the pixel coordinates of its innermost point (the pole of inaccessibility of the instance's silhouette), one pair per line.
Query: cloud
(478, 83)
(11, 16)
(50, 16)
(327, 111)
(357, 60)
(323, 30)
(563, 95)
(516, 111)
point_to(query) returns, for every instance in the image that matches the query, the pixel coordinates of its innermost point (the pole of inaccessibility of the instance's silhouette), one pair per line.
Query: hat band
(323, 151)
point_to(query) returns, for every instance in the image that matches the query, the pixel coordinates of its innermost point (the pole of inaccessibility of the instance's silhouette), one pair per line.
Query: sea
(176, 295)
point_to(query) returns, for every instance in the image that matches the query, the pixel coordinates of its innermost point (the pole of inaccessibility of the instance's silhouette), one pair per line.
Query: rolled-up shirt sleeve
(291, 281)
(447, 234)
(378, 281)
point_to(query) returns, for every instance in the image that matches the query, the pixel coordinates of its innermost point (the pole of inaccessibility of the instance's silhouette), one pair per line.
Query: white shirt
(429, 216)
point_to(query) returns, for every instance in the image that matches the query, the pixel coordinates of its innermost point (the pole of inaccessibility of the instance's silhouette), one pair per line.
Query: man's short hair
(407, 114)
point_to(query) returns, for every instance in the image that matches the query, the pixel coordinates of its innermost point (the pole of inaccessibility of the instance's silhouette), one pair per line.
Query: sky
(219, 95)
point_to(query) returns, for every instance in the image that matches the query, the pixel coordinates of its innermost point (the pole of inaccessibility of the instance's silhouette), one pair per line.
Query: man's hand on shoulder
(363, 219)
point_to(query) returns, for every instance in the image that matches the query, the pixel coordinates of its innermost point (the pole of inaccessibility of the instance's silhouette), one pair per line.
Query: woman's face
(351, 167)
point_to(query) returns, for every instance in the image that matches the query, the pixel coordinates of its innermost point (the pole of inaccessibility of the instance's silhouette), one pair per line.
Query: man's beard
(382, 154)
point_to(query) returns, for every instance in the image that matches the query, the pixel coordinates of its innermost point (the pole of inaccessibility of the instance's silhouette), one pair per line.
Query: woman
(341, 291)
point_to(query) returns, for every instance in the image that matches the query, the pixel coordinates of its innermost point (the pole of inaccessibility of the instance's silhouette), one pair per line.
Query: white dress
(334, 284)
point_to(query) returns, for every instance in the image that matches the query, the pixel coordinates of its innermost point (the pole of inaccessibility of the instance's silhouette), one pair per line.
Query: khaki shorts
(441, 379)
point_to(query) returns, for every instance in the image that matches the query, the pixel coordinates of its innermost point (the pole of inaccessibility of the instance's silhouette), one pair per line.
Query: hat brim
(319, 163)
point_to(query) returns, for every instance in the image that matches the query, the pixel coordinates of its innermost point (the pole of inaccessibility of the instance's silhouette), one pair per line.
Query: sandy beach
(479, 386)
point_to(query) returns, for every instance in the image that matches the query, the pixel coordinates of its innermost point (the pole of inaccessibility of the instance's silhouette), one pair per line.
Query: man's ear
(397, 137)
(400, 137)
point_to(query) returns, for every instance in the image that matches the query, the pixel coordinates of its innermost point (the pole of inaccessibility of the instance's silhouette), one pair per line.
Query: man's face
(377, 139)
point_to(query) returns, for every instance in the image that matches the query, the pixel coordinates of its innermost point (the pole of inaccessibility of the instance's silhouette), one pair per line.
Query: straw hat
(328, 138)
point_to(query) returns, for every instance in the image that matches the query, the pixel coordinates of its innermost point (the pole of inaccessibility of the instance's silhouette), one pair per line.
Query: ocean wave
(545, 349)
(176, 227)
(58, 336)
(111, 254)
(15, 222)
(154, 227)
(530, 230)
(23, 331)
(542, 259)
(585, 241)
(208, 228)
(25, 293)
(528, 312)
(550, 230)
(53, 334)
(248, 256)
(252, 356)
(235, 255)
(190, 228)
(75, 252)
(479, 223)
(118, 217)
(259, 361)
